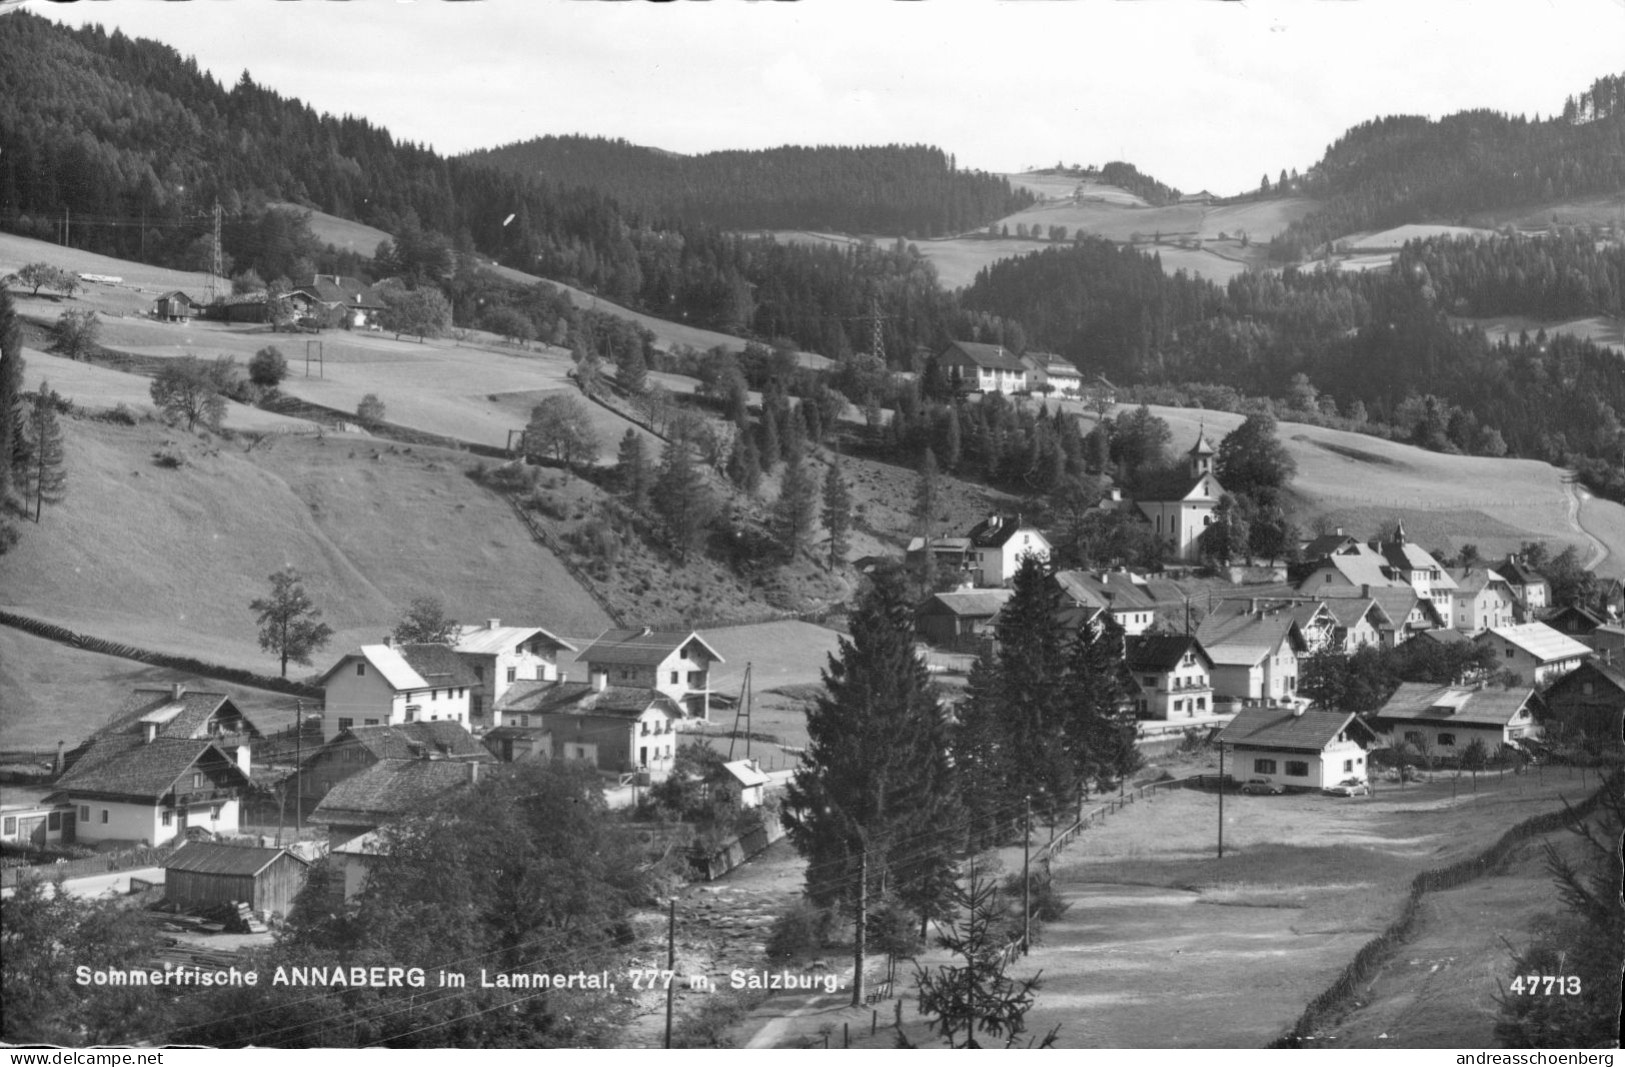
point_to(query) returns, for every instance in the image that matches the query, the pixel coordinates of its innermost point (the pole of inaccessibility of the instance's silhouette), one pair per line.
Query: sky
(1196, 93)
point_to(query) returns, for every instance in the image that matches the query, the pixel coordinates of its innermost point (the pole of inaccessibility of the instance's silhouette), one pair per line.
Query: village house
(615, 728)
(355, 749)
(389, 684)
(1049, 373)
(948, 555)
(997, 544)
(500, 655)
(1575, 621)
(176, 711)
(1610, 599)
(1180, 506)
(1360, 622)
(1590, 701)
(1379, 564)
(961, 621)
(149, 789)
(1531, 589)
(202, 876)
(175, 306)
(1327, 544)
(1441, 721)
(29, 820)
(1298, 749)
(1255, 653)
(980, 368)
(1534, 651)
(387, 790)
(1173, 674)
(676, 662)
(1481, 600)
(338, 300)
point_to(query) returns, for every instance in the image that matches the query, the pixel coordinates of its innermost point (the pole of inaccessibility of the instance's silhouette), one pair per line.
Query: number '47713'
(1535, 985)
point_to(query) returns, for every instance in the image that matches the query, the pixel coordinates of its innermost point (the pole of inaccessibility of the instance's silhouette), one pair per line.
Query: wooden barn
(203, 875)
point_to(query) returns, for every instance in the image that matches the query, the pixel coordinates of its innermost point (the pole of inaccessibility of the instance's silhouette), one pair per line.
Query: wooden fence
(1336, 998)
(102, 863)
(236, 675)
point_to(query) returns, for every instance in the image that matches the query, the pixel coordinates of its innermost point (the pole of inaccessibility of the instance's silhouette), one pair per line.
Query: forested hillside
(1406, 168)
(913, 190)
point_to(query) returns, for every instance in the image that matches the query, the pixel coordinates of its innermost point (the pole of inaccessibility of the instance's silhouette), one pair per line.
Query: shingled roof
(970, 603)
(1542, 642)
(489, 640)
(438, 665)
(1162, 652)
(1307, 731)
(1245, 639)
(411, 740)
(991, 357)
(389, 788)
(642, 648)
(188, 714)
(1421, 702)
(124, 765)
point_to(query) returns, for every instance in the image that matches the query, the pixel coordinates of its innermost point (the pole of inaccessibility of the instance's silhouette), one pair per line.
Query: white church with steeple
(1179, 507)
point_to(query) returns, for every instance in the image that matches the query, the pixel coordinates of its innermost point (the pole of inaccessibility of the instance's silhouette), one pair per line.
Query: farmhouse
(127, 787)
(387, 790)
(949, 555)
(979, 368)
(178, 713)
(34, 822)
(389, 684)
(997, 544)
(1180, 506)
(1575, 621)
(1360, 622)
(1534, 651)
(1173, 675)
(1529, 586)
(203, 875)
(676, 662)
(1133, 601)
(619, 729)
(359, 747)
(1442, 720)
(500, 655)
(1255, 653)
(338, 300)
(962, 620)
(1298, 749)
(1049, 373)
(1590, 700)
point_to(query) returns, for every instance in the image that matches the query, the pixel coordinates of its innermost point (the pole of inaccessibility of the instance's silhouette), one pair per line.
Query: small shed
(745, 782)
(175, 307)
(204, 875)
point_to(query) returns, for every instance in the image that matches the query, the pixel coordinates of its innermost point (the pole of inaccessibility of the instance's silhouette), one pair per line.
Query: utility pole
(1026, 875)
(671, 965)
(298, 762)
(858, 950)
(1221, 800)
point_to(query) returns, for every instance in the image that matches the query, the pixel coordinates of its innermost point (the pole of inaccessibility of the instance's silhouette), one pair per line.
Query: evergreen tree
(684, 499)
(797, 506)
(46, 468)
(769, 450)
(1099, 731)
(632, 470)
(744, 463)
(837, 513)
(1033, 697)
(875, 790)
(989, 788)
(631, 371)
(927, 491)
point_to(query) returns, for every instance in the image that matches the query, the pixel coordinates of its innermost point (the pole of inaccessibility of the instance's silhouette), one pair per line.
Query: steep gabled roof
(642, 648)
(1594, 672)
(188, 715)
(995, 531)
(1438, 704)
(1175, 485)
(1474, 580)
(1349, 610)
(1576, 619)
(1326, 544)
(1245, 639)
(1542, 642)
(1518, 573)
(1116, 590)
(388, 662)
(207, 857)
(1162, 652)
(746, 773)
(1306, 731)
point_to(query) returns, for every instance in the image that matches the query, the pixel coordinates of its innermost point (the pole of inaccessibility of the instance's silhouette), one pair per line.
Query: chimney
(176, 690)
(600, 680)
(1339, 531)
(492, 624)
(149, 732)
(1365, 590)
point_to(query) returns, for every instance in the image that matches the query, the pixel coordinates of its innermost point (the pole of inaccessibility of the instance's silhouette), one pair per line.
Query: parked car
(1261, 785)
(1348, 787)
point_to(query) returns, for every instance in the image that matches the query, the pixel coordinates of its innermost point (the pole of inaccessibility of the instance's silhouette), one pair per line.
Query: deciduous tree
(193, 389)
(370, 409)
(425, 622)
(268, 367)
(74, 334)
(289, 621)
(560, 427)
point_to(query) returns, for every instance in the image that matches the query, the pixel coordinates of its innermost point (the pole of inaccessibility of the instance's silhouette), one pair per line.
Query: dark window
(10, 826)
(345, 724)
(84, 813)
(513, 674)
(54, 821)
(1447, 739)
(169, 818)
(1297, 768)
(104, 815)
(673, 677)
(360, 669)
(1263, 766)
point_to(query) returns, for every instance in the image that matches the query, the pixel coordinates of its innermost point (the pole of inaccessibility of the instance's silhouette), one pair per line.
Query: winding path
(1577, 497)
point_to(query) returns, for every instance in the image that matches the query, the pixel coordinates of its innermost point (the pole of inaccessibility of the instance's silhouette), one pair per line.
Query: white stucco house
(1298, 749)
(389, 684)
